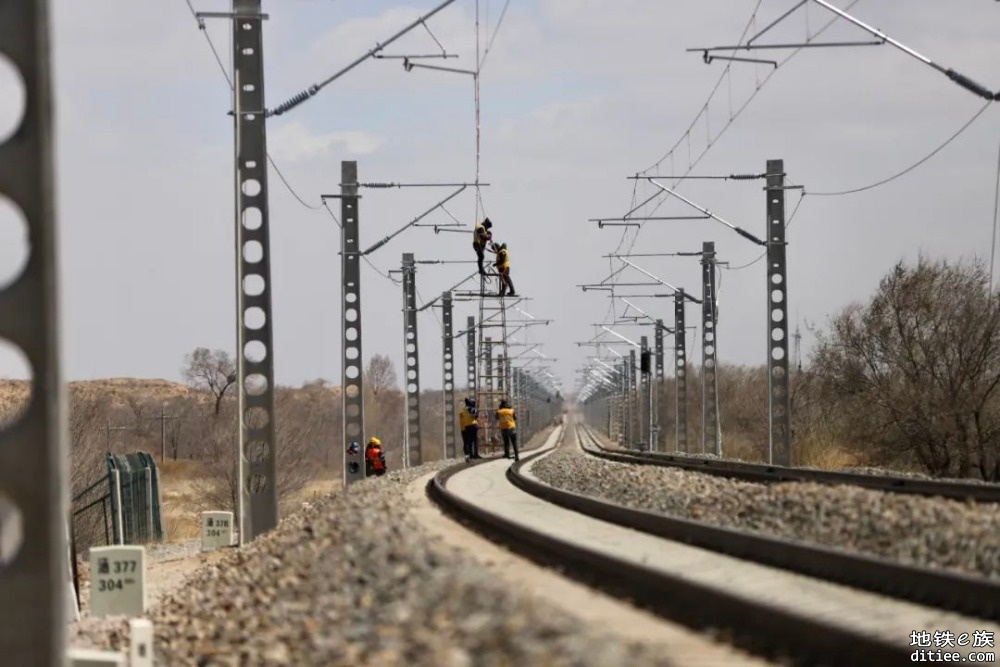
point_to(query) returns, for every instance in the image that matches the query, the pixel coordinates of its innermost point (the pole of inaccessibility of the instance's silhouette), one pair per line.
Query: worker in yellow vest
(503, 268)
(468, 420)
(507, 421)
(481, 237)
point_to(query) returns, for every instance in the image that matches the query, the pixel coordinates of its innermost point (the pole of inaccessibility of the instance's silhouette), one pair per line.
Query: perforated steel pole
(779, 409)
(624, 404)
(635, 407)
(33, 457)
(352, 379)
(255, 352)
(470, 352)
(709, 380)
(680, 370)
(411, 443)
(448, 355)
(657, 445)
(645, 382)
(631, 402)
(490, 403)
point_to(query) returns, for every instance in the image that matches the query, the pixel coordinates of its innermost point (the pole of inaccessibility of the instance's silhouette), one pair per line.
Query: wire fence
(122, 506)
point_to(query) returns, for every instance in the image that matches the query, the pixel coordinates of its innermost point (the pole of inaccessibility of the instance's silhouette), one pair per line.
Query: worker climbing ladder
(493, 379)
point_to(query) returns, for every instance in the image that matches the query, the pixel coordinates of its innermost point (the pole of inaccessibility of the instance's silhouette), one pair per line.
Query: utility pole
(448, 355)
(34, 456)
(645, 382)
(258, 496)
(680, 369)
(163, 431)
(798, 349)
(411, 440)
(656, 445)
(108, 428)
(487, 353)
(709, 379)
(633, 416)
(352, 377)
(470, 353)
(779, 408)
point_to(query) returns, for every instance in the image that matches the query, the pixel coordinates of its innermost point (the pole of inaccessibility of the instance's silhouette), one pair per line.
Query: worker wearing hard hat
(374, 458)
(503, 268)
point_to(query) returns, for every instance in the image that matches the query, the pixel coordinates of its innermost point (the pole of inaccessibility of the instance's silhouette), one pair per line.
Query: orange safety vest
(374, 454)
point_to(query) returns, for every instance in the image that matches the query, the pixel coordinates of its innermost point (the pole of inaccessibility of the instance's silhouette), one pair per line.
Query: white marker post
(117, 581)
(88, 657)
(140, 650)
(216, 530)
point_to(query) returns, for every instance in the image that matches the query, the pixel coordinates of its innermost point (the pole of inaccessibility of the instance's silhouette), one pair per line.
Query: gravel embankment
(348, 581)
(859, 470)
(910, 529)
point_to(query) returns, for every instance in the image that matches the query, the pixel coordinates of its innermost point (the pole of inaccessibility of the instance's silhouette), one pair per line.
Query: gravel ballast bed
(348, 581)
(909, 529)
(874, 471)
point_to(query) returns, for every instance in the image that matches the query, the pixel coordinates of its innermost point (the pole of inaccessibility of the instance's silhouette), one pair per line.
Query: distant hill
(118, 390)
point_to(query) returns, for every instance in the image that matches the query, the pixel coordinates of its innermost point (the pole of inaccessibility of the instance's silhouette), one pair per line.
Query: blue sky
(577, 94)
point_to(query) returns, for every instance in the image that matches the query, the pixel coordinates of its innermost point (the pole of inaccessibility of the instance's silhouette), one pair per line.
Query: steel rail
(762, 472)
(757, 626)
(967, 594)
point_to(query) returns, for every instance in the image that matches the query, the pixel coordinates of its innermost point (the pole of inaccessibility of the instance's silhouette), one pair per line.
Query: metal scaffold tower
(493, 378)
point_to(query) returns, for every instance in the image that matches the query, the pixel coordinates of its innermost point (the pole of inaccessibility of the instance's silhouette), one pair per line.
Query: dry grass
(120, 389)
(182, 504)
(825, 452)
(14, 393)
(818, 451)
(183, 482)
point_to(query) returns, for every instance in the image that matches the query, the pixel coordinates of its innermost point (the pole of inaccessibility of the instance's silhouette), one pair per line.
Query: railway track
(759, 472)
(755, 622)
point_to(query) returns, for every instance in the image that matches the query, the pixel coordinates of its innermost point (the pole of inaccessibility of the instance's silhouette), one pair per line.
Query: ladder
(493, 362)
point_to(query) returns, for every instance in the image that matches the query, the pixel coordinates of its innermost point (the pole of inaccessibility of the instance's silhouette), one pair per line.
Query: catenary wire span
(229, 82)
(277, 170)
(367, 261)
(802, 195)
(496, 29)
(912, 166)
(711, 94)
(686, 136)
(433, 310)
(692, 163)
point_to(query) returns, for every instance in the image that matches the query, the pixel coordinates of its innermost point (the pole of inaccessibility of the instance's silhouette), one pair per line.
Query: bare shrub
(917, 369)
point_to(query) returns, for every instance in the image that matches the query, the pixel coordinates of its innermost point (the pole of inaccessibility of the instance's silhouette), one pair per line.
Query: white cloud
(576, 95)
(293, 142)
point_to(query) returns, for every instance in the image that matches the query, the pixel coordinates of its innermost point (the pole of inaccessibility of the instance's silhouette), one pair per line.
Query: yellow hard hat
(374, 441)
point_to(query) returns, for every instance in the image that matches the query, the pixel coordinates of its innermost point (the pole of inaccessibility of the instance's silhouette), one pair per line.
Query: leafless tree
(380, 374)
(303, 432)
(210, 370)
(87, 418)
(918, 366)
(217, 442)
(178, 428)
(88, 414)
